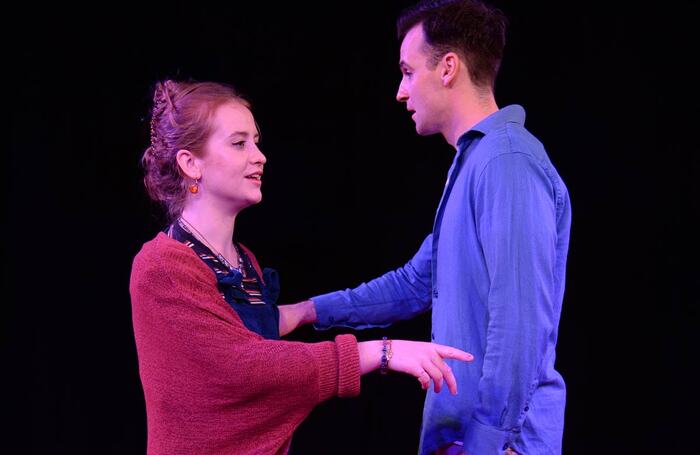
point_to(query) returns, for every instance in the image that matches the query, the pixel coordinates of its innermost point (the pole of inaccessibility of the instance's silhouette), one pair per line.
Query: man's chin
(423, 131)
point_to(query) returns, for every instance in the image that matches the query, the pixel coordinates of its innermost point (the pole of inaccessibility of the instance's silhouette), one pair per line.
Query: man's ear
(188, 165)
(449, 68)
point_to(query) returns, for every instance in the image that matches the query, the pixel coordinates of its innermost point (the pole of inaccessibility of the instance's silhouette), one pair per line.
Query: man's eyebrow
(404, 65)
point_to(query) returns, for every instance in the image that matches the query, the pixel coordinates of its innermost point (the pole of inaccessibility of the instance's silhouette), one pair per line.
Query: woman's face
(232, 165)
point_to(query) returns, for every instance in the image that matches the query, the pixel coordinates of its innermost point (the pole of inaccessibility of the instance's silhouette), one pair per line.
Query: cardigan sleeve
(191, 342)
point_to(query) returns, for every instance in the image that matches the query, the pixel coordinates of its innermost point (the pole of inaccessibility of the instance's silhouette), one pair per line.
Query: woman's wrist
(370, 355)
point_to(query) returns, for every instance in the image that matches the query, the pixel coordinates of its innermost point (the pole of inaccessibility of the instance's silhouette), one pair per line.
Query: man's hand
(455, 448)
(292, 316)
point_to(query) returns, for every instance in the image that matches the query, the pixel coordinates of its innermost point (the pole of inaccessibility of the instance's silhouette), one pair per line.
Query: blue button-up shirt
(493, 270)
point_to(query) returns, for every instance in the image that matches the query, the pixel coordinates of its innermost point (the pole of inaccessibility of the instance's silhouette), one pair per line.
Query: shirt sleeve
(396, 295)
(516, 224)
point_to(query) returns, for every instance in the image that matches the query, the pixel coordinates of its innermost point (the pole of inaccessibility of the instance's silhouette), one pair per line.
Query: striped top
(242, 289)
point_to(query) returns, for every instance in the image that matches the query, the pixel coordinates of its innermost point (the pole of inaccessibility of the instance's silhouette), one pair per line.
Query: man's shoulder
(509, 138)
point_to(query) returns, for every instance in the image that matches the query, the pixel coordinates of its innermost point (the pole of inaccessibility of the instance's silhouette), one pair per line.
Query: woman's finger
(434, 372)
(449, 352)
(424, 379)
(447, 374)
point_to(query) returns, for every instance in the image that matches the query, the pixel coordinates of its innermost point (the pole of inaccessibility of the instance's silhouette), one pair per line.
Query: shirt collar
(513, 113)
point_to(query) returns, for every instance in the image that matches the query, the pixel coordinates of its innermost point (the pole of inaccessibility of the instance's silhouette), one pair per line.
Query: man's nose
(401, 94)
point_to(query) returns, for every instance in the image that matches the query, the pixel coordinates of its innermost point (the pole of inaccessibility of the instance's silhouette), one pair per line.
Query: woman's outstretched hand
(424, 361)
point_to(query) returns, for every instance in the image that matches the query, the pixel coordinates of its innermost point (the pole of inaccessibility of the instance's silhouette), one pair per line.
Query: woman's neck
(216, 226)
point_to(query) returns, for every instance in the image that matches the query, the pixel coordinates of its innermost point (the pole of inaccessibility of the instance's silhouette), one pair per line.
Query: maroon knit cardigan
(211, 385)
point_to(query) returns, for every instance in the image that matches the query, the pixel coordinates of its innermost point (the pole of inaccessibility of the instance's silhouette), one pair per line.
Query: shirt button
(527, 408)
(432, 336)
(435, 293)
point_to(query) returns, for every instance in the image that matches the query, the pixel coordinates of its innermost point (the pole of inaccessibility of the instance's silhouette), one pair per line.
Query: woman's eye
(239, 144)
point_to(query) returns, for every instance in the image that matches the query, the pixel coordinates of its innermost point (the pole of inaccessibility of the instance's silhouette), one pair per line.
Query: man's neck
(466, 113)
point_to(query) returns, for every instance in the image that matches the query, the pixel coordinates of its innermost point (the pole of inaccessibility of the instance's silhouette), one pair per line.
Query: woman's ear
(188, 165)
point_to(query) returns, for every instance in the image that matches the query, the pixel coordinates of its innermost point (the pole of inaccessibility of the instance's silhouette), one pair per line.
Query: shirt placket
(451, 178)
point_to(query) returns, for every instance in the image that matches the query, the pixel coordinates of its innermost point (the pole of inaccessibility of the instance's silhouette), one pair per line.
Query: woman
(216, 377)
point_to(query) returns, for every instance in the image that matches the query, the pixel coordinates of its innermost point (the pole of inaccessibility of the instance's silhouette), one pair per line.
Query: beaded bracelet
(386, 355)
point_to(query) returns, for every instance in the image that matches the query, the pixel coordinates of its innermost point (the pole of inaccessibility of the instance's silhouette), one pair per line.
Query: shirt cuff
(484, 439)
(324, 304)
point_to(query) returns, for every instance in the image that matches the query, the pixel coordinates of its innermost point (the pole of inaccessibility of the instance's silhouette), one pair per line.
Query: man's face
(421, 88)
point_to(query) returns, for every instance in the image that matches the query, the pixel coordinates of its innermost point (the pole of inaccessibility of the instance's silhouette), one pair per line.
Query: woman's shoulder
(165, 261)
(163, 252)
(160, 246)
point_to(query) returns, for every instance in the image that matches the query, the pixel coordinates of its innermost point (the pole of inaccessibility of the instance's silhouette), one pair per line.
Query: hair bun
(179, 120)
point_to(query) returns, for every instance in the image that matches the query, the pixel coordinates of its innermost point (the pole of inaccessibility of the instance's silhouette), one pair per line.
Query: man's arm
(396, 295)
(295, 315)
(516, 222)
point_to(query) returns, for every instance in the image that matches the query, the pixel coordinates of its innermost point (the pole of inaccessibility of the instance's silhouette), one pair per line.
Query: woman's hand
(424, 361)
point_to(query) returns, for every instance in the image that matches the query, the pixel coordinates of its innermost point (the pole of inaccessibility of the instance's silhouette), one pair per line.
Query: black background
(350, 191)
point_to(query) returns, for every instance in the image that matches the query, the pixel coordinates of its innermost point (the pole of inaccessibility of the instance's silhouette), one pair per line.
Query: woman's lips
(255, 178)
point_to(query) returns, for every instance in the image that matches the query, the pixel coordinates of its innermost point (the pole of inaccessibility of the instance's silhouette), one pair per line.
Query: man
(493, 268)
